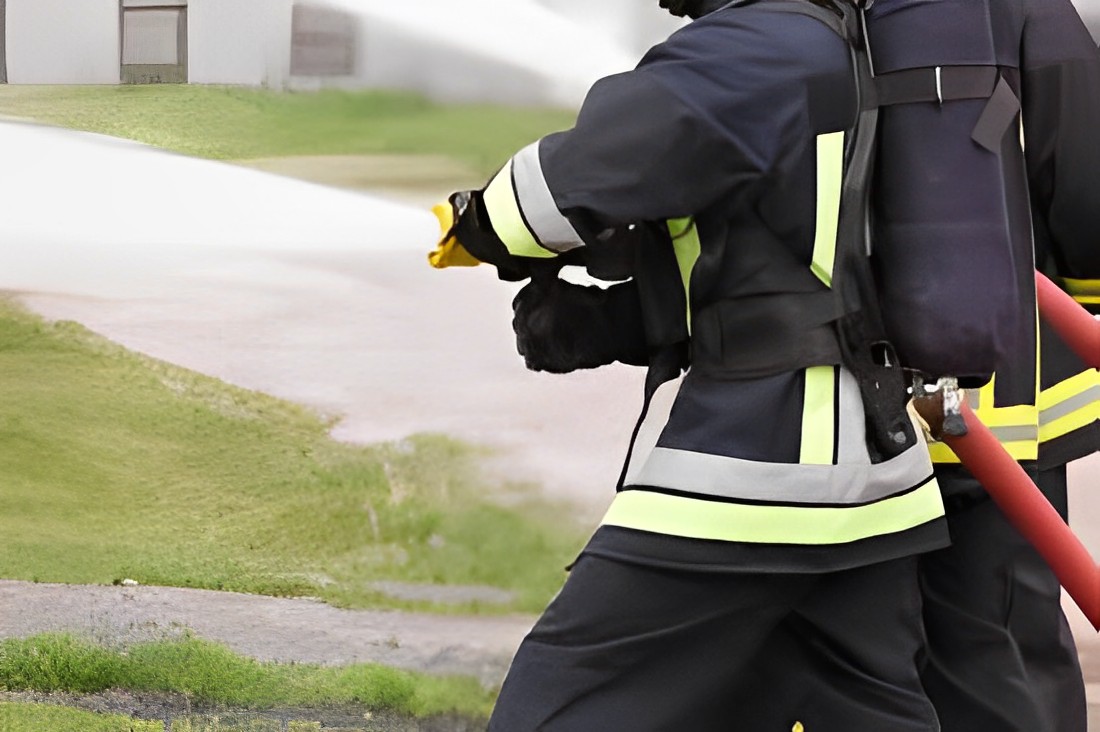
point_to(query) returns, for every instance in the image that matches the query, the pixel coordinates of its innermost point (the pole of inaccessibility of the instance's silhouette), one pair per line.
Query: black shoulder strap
(867, 353)
(864, 348)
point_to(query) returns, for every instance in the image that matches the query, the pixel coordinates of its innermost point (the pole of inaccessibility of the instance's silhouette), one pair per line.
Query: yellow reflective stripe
(941, 453)
(1086, 292)
(818, 416)
(1064, 425)
(685, 244)
(1015, 427)
(504, 215)
(1082, 288)
(1068, 388)
(982, 402)
(1022, 415)
(1019, 450)
(1056, 399)
(815, 525)
(830, 171)
(1022, 450)
(679, 227)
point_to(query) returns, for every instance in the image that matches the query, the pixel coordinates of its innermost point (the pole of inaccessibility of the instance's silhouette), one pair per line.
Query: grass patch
(241, 123)
(118, 466)
(39, 717)
(209, 674)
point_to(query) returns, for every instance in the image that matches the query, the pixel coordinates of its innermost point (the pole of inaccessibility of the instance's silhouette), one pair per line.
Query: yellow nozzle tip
(444, 213)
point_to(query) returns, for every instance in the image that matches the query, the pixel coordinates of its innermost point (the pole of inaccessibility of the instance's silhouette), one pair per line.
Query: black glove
(561, 327)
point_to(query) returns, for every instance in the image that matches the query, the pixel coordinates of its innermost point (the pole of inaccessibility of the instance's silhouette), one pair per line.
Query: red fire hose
(1011, 488)
(1071, 322)
(1030, 512)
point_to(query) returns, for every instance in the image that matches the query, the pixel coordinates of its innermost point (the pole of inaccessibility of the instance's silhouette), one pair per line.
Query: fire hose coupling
(940, 406)
(953, 423)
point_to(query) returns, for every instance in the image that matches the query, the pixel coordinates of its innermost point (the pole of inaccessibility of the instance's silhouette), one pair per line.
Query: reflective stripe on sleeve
(552, 230)
(507, 219)
(522, 209)
(1086, 292)
(702, 519)
(1069, 405)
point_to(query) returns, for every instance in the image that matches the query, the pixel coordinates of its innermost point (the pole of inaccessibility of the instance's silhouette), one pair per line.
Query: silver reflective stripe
(734, 478)
(1018, 433)
(851, 437)
(1070, 405)
(660, 408)
(552, 230)
(974, 398)
(853, 480)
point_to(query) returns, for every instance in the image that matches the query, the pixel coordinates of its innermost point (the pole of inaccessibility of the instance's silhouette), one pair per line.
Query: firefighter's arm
(640, 151)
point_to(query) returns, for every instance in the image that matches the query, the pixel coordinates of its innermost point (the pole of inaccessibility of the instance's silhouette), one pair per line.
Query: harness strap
(866, 351)
(935, 84)
(997, 117)
(954, 83)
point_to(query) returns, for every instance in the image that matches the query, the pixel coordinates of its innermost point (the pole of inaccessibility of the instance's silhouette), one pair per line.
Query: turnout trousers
(635, 648)
(1000, 653)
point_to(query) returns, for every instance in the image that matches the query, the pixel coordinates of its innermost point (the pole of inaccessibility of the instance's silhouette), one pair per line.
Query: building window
(323, 41)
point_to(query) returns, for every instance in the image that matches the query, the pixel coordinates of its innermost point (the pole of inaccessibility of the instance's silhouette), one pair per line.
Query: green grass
(43, 717)
(118, 466)
(209, 674)
(241, 123)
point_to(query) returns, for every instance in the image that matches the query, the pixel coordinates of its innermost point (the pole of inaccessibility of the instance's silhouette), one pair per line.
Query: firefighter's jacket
(733, 132)
(1052, 417)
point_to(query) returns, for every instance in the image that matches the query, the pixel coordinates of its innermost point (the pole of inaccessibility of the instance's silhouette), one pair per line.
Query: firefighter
(782, 482)
(1000, 652)
(990, 601)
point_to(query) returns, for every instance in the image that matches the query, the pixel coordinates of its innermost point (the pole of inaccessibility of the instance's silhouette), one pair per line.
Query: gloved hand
(561, 327)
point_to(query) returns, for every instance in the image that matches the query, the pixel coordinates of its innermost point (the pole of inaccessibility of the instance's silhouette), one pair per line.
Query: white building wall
(397, 57)
(63, 41)
(504, 51)
(635, 25)
(238, 42)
